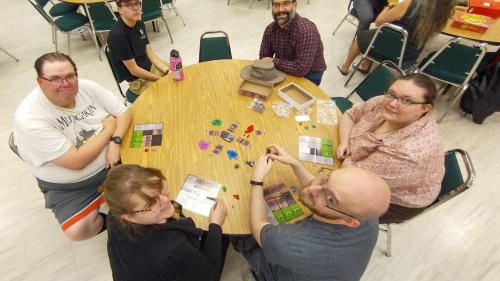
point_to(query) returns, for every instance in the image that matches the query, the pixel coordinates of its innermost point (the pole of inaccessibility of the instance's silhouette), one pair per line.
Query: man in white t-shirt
(69, 131)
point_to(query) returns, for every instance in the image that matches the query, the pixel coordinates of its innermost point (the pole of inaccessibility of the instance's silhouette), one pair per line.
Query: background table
(210, 91)
(491, 36)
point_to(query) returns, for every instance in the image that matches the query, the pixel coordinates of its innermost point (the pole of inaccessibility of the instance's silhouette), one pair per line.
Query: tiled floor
(457, 241)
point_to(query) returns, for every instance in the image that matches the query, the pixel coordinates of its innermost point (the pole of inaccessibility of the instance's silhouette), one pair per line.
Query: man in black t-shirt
(130, 48)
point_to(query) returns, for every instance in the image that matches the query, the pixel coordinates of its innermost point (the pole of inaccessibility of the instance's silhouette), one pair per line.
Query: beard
(282, 21)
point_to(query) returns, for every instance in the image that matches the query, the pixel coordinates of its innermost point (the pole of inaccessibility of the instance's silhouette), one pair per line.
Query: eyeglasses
(57, 82)
(132, 6)
(285, 5)
(324, 175)
(404, 101)
(156, 204)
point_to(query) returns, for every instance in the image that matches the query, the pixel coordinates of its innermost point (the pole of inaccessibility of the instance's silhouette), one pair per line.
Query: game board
(282, 205)
(147, 135)
(198, 195)
(316, 150)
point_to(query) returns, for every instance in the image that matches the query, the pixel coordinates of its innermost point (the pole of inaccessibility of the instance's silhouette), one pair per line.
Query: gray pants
(253, 253)
(368, 11)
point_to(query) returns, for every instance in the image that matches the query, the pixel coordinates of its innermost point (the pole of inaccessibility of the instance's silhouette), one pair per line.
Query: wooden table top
(210, 91)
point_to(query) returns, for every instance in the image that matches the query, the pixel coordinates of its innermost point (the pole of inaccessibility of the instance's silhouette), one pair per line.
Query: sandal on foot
(360, 69)
(339, 66)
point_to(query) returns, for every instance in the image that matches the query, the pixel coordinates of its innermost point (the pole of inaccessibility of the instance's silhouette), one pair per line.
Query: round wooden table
(210, 91)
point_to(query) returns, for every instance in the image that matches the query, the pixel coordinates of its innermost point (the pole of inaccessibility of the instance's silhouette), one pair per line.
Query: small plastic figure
(250, 163)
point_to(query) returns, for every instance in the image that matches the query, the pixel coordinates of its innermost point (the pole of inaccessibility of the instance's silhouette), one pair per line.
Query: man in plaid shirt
(293, 43)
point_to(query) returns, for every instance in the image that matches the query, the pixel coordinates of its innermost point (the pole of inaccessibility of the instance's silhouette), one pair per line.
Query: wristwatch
(116, 140)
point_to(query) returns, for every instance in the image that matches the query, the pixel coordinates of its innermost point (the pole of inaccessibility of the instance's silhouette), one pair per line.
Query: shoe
(360, 69)
(339, 66)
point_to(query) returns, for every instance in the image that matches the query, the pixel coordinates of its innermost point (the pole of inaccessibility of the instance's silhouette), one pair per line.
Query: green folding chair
(59, 9)
(214, 45)
(375, 84)
(388, 43)
(129, 95)
(350, 12)
(452, 185)
(101, 19)
(66, 23)
(152, 11)
(454, 64)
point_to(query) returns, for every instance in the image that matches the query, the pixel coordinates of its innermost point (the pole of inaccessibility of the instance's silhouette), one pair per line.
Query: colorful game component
(153, 149)
(146, 150)
(236, 196)
(259, 132)
(293, 188)
(147, 135)
(224, 188)
(218, 148)
(249, 129)
(216, 122)
(227, 136)
(314, 126)
(244, 142)
(233, 126)
(232, 154)
(100, 189)
(236, 166)
(212, 133)
(306, 127)
(203, 145)
(250, 163)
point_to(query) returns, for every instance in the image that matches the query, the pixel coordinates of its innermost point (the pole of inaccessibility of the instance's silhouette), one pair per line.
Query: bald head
(362, 193)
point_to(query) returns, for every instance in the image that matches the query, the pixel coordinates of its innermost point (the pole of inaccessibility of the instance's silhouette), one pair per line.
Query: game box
(471, 22)
(489, 8)
(296, 96)
(255, 89)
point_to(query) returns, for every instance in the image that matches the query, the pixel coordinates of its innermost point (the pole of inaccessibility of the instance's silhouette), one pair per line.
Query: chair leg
(389, 241)
(168, 29)
(94, 37)
(341, 22)
(250, 4)
(177, 13)
(459, 95)
(69, 44)
(9, 54)
(355, 69)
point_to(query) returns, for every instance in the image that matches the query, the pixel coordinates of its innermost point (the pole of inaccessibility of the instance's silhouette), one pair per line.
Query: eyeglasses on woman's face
(403, 101)
(156, 204)
(322, 178)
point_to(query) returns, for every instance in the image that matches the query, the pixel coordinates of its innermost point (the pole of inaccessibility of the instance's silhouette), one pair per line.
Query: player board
(147, 135)
(198, 195)
(316, 150)
(282, 205)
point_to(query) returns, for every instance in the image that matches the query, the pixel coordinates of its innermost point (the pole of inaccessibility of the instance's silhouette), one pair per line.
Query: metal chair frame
(350, 12)
(168, 5)
(129, 96)
(96, 16)
(442, 198)
(3, 50)
(56, 28)
(454, 65)
(373, 47)
(150, 4)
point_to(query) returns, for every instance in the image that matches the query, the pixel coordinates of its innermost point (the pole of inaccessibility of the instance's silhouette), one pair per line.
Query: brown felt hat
(263, 70)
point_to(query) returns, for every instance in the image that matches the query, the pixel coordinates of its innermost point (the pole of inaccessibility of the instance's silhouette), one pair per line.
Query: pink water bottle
(176, 65)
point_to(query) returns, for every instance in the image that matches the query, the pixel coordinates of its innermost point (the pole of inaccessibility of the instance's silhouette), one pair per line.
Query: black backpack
(482, 97)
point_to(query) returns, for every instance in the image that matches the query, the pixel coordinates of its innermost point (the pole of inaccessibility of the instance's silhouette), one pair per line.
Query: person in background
(367, 10)
(69, 131)
(396, 137)
(335, 243)
(422, 19)
(293, 43)
(130, 48)
(149, 240)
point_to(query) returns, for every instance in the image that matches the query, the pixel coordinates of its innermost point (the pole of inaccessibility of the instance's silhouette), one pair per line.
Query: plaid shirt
(297, 49)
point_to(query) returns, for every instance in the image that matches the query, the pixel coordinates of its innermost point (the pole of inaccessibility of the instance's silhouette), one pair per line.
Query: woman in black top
(146, 238)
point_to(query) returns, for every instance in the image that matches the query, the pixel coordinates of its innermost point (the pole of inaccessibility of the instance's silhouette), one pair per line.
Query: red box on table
(489, 8)
(471, 22)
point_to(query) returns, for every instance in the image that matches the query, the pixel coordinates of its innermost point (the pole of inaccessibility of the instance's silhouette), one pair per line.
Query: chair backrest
(151, 10)
(166, 2)
(389, 43)
(13, 145)
(455, 62)
(100, 15)
(214, 47)
(453, 181)
(378, 81)
(42, 12)
(129, 96)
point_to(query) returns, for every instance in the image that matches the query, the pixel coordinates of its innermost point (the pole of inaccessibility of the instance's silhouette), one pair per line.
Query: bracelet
(256, 183)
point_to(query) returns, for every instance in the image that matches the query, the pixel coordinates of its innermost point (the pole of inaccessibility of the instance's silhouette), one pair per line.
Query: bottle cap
(174, 53)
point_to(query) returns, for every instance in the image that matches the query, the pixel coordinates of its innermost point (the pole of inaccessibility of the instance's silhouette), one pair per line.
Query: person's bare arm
(122, 124)
(258, 217)
(280, 154)
(393, 14)
(156, 60)
(78, 158)
(136, 70)
(345, 128)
